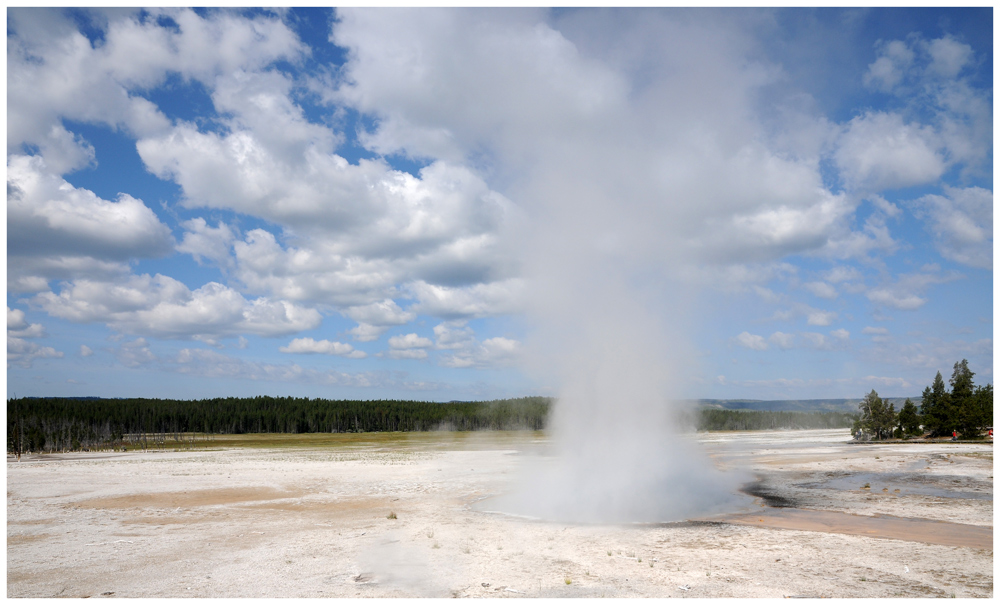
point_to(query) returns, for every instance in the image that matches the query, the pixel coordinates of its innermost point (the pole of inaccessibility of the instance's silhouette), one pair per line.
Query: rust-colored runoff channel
(878, 526)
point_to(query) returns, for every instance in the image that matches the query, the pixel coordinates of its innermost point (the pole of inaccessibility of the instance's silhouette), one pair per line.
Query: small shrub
(568, 581)
(391, 516)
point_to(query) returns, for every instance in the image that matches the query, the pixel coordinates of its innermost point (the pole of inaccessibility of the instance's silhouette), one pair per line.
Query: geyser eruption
(609, 297)
(619, 454)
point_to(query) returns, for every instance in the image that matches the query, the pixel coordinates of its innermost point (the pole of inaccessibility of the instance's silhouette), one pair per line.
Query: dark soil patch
(771, 498)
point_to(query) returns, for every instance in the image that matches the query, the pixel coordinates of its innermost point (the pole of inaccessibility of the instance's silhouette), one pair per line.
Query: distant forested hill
(849, 406)
(709, 419)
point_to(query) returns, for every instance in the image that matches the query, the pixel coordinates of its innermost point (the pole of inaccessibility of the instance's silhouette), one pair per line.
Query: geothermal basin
(401, 515)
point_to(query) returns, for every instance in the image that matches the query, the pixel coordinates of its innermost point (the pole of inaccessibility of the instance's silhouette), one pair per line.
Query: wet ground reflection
(878, 526)
(904, 484)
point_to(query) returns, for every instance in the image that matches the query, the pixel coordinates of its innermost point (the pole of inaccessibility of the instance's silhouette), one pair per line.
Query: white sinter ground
(312, 522)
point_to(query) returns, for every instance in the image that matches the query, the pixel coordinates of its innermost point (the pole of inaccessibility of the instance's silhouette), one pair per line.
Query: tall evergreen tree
(909, 421)
(877, 418)
(961, 412)
(977, 412)
(936, 408)
(961, 381)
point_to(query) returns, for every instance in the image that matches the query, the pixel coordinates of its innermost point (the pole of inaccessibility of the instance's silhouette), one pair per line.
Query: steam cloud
(619, 453)
(609, 268)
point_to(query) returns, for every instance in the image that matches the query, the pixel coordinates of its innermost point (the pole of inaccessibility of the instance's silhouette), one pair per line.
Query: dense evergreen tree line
(758, 420)
(67, 424)
(966, 409)
(60, 424)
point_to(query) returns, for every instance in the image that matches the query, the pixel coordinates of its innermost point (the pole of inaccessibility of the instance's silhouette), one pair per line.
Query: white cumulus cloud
(326, 347)
(962, 224)
(751, 341)
(490, 353)
(818, 317)
(410, 341)
(56, 73)
(208, 243)
(781, 340)
(906, 293)
(164, 307)
(878, 150)
(821, 289)
(23, 352)
(55, 230)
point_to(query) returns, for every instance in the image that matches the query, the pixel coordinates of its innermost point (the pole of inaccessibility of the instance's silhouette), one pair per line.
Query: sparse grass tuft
(436, 545)
(430, 533)
(866, 486)
(609, 553)
(391, 515)
(650, 563)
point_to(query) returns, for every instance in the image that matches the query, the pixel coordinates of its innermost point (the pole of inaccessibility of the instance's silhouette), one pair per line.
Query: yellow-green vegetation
(391, 515)
(569, 581)
(398, 441)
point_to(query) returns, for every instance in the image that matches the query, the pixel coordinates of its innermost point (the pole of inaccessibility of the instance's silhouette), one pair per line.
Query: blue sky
(460, 204)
